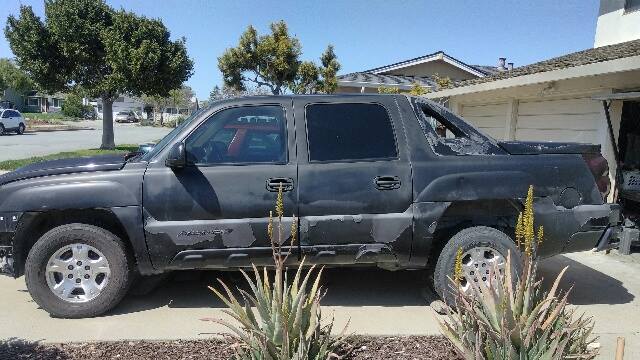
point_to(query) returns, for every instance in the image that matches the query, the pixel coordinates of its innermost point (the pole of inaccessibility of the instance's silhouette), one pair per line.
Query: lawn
(14, 164)
(47, 118)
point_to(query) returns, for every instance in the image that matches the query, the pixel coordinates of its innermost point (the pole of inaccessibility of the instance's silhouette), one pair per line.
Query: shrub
(288, 325)
(508, 319)
(72, 107)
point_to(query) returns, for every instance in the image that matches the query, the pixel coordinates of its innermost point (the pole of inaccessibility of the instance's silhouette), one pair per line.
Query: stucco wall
(615, 24)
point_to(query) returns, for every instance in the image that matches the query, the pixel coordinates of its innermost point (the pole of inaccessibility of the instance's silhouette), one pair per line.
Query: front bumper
(8, 226)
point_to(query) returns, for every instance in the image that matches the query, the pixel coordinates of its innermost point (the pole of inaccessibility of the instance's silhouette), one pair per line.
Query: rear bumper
(596, 227)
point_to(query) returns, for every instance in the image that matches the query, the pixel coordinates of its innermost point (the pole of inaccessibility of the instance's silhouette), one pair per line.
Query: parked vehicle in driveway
(12, 121)
(392, 181)
(126, 116)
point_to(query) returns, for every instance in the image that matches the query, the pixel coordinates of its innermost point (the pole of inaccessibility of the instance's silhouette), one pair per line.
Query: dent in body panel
(166, 238)
(560, 224)
(361, 228)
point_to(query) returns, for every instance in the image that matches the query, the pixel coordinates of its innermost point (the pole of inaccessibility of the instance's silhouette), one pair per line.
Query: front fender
(73, 195)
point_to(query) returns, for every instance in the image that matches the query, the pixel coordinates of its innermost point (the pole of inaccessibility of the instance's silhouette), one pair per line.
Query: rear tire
(477, 237)
(21, 129)
(39, 276)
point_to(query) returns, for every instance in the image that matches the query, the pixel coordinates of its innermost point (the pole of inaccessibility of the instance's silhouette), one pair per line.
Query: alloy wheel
(77, 273)
(478, 264)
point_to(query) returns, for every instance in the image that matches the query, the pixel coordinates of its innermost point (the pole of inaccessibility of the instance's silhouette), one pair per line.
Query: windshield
(170, 136)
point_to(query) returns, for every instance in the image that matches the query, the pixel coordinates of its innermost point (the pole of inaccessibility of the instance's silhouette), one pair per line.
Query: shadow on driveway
(345, 287)
(590, 286)
(355, 287)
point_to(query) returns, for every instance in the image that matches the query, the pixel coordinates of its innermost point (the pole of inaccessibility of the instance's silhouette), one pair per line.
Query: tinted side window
(254, 134)
(349, 132)
(6, 114)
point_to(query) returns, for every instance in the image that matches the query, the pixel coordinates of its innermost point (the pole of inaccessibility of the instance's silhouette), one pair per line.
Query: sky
(369, 33)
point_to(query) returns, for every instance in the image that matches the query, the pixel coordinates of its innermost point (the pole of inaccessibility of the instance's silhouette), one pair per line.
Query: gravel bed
(361, 347)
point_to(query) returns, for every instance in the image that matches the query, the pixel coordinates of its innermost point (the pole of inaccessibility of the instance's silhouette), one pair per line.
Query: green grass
(14, 164)
(48, 118)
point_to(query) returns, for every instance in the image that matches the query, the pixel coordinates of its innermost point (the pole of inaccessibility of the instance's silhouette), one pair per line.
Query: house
(588, 96)
(121, 103)
(11, 99)
(420, 70)
(35, 101)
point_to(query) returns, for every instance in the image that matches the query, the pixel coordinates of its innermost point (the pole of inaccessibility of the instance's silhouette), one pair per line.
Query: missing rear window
(449, 135)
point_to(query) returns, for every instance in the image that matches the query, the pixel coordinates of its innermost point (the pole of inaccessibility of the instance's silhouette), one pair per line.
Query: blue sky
(370, 33)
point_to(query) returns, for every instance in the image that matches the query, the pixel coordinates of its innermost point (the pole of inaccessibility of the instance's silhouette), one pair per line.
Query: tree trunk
(107, 124)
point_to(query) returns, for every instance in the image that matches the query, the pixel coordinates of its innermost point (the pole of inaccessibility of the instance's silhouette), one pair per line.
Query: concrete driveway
(41, 143)
(374, 302)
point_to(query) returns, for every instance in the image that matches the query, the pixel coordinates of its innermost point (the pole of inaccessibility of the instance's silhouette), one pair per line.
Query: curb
(51, 129)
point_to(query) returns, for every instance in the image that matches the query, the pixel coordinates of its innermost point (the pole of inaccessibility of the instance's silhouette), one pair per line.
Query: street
(371, 301)
(49, 142)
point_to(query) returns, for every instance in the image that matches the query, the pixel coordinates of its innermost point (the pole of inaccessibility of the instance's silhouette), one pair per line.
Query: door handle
(387, 182)
(274, 184)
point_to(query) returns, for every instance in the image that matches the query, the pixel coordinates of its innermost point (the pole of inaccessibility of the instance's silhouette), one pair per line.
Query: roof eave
(429, 58)
(599, 68)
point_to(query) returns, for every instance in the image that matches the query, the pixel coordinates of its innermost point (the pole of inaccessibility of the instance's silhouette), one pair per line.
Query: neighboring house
(561, 99)
(420, 70)
(122, 103)
(11, 99)
(42, 103)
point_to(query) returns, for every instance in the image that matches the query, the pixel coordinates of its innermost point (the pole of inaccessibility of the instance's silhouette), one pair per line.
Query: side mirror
(177, 158)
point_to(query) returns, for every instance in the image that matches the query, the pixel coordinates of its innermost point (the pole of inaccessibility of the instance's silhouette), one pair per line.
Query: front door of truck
(214, 212)
(354, 181)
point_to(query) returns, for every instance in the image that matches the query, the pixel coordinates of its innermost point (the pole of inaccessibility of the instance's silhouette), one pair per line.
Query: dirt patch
(361, 347)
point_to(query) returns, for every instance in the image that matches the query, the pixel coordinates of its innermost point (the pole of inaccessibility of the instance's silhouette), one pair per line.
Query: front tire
(2, 130)
(77, 271)
(483, 248)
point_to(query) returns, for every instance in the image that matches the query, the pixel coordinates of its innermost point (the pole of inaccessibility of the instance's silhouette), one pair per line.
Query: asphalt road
(42, 143)
(373, 302)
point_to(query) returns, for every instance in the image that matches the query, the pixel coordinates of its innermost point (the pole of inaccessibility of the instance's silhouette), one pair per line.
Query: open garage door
(568, 120)
(490, 118)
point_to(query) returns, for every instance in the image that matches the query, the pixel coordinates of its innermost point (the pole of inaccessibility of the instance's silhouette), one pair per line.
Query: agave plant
(286, 323)
(507, 319)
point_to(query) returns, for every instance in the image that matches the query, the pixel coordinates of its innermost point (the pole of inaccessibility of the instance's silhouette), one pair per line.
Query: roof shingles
(584, 57)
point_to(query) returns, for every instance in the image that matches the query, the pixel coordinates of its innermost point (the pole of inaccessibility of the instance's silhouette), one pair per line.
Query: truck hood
(65, 166)
(546, 147)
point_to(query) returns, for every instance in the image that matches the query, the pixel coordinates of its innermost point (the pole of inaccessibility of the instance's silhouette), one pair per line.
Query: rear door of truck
(355, 190)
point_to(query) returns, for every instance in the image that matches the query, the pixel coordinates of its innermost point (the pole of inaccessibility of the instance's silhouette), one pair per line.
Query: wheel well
(500, 214)
(35, 224)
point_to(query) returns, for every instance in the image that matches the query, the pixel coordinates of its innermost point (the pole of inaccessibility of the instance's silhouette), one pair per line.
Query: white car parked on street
(11, 121)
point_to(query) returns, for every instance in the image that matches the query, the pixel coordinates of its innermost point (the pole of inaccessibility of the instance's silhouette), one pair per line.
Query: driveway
(42, 143)
(375, 302)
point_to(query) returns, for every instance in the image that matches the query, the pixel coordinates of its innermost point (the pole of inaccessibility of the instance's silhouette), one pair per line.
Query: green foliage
(13, 77)
(14, 164)
(87, 44)
(73, 107)
(517, 320)
(181, 97)
(288, 322)
(388, 90)
(273, 61)
(329, 71)
(307, 78)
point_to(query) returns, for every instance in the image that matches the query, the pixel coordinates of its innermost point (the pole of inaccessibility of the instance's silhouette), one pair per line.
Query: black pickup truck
(392, 181)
